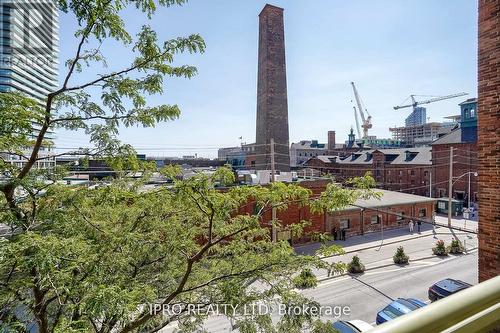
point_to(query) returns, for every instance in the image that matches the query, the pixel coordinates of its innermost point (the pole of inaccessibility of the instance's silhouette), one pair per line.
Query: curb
(374, 246)
(393, 264)
(388, 243)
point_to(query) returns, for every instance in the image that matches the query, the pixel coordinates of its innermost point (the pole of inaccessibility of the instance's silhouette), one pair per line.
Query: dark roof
(395, 156)
(454, 136)
(469, 101)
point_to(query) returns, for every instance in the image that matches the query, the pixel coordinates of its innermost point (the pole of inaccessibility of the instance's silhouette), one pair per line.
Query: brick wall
(325, 223)
(412, 179)
(489, 138)
(464, 160)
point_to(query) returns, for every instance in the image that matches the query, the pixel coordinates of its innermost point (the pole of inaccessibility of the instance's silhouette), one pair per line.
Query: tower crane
(415, 103)
(366, 121)
(357, 121)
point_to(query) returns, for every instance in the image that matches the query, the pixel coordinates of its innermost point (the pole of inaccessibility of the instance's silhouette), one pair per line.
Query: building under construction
(421, 135)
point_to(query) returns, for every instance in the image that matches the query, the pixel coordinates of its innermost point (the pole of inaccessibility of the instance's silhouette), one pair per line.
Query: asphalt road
(365, 295)
(415, 248)
(370, 292)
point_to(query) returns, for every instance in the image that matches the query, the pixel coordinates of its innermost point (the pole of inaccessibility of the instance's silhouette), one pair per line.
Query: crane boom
(440, 98)
(366, 122)
(358, 102)
(357, 121)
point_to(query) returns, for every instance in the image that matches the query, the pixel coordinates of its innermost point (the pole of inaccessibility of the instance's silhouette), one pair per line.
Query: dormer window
(409, 155)
(472, 113)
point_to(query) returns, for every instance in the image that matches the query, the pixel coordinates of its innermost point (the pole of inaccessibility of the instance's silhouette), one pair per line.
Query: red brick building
(402, 169)
(464, 165)
(392, 210)
(488, 139)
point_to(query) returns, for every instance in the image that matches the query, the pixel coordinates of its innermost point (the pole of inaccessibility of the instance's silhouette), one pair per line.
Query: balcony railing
(475, 309)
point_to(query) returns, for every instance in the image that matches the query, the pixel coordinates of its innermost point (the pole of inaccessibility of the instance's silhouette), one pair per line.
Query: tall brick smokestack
(331, 140)
(272, 105)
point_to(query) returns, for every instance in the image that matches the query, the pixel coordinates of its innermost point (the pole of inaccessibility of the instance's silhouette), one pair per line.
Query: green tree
(355, 266)
(77, 259)
(400, 257)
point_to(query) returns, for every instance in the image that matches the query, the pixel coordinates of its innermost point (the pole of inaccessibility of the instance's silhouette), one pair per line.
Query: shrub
(401, 257)
(440, 248)
(355, 266)
(336, 268)
(456, 247)
(306, 279)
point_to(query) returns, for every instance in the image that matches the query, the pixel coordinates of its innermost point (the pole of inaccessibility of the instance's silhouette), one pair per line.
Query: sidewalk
(372, 239)
(459, 222)
(375, 251)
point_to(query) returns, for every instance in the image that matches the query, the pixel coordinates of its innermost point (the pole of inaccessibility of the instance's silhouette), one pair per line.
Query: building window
(422, 212)
(344, 224)
(441, 192)
(400, 218)
(472, 113)
(375, 219)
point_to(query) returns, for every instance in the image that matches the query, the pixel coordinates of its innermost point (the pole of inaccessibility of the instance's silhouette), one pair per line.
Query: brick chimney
(331, 140)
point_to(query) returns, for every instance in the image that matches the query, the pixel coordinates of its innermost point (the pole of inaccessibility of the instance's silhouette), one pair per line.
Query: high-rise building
(272, 105)
(417, 117)
(29, 47)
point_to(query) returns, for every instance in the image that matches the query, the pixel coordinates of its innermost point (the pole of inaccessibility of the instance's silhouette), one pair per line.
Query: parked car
(445, 288)
(352, 326)
(398, 308)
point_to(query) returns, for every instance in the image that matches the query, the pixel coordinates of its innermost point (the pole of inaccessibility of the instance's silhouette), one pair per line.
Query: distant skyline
(390, 49)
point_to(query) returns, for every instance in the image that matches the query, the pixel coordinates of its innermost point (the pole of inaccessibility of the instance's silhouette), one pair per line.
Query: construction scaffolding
(421, 134)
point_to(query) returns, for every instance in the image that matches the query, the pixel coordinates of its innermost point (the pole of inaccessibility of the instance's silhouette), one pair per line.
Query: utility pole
(430, 183)
(450, 186)
(273, 210)
(468, 193)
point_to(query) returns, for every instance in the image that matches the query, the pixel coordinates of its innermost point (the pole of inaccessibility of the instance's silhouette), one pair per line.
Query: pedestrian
(419, 223)
(343, 234)
(334, 233)
(410, 224)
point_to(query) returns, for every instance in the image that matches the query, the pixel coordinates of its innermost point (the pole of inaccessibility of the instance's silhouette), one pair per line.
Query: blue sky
(390, 49)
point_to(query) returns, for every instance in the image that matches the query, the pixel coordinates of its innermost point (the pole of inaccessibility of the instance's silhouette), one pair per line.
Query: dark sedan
(445, 288)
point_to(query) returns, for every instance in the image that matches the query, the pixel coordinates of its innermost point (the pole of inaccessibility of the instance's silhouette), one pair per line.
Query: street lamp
(468, 193)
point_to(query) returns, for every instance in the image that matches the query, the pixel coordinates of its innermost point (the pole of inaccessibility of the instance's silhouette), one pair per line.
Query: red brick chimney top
(268, 8)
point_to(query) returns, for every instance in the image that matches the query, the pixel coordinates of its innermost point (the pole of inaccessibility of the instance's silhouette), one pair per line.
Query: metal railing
(476, 309)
